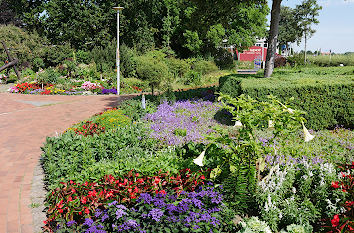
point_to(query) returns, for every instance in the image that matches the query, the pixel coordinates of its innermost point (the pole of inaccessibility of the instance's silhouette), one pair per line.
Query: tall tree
(289, 30)
(306, 13)
(273, 38)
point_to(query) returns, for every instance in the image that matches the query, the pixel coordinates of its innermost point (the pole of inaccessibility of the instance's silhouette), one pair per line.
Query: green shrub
(117, 151)
(127, 62)
(223, 59)
(56, 54)
(296, 60)
(178, 67)
(204, 67)
(48, 76)
(326, 99)
(193, 78)
(152, 70)
(82, 57)
(38, 64)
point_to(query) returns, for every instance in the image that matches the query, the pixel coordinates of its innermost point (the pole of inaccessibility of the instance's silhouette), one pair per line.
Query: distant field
(334, 60)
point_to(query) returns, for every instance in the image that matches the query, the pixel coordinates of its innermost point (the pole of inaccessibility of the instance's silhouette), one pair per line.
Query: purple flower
(104, 217)
(98, 213)
(70, 223)
(182, 122)
(145, 197)
(120, 213)
(88, 222)
(156, 214)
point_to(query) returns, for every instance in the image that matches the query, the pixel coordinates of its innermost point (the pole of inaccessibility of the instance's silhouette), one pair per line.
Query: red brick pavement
(23, 129)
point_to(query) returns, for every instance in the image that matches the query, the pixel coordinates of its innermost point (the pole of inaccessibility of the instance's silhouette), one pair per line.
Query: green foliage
(192, 78)
(178, 67)
(296, 60)
(48, 76)
(234, 155)
(183, 26)
(104, 57)
(325, 96)
(56, 54)
(37, 64)
(253, 225)
(83, 56)
(22, 45)
(127, 61)
(204, 66)
(223, 59)
(78, 158)
(334, 60)
(299, 194)
(152, 70)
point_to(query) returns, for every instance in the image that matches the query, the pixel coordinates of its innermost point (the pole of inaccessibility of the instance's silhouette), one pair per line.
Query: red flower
(202, 177)
(84, 200)
(87, 211)
(157, 180)
(92, 193)
(162, 192)
(349, 203)
(140, 181)
(335, 184)
(60, 211)
(137, 174)
(335, 221)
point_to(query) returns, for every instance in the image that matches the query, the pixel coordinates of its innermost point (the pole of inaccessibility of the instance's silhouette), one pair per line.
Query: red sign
(254, 52)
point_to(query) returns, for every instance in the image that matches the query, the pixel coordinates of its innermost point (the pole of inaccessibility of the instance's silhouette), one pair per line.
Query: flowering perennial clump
(182, 122)
(88, 86)
(76, 201)
(189, 211)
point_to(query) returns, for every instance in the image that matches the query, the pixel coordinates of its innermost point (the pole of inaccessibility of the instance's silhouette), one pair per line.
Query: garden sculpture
(11, 63)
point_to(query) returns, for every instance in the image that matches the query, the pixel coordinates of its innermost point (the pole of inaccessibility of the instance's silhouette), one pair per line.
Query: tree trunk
(273, 38)
(305, 46)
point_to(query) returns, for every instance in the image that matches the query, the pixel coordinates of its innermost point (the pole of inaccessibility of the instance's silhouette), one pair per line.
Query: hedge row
(328, 100)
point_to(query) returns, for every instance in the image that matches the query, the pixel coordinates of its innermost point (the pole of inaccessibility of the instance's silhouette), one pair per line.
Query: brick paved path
(25, 121)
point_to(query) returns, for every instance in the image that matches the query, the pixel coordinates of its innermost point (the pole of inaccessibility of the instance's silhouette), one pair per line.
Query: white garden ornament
(199, 159)
(307, 135)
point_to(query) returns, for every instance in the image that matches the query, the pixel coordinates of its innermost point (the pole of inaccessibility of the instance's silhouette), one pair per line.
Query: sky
(335, 31)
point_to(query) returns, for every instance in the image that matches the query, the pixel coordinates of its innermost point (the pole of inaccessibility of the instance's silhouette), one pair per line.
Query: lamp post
(118, 9)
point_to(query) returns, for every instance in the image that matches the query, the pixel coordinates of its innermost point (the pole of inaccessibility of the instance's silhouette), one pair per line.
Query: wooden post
(10, 59)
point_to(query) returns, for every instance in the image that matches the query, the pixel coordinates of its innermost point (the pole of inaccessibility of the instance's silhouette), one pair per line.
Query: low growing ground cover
(179, 166)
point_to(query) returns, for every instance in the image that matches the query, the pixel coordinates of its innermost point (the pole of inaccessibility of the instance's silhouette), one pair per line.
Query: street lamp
(118, 9)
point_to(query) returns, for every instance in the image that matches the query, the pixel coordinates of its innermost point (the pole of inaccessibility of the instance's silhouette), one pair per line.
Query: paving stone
(25, 122)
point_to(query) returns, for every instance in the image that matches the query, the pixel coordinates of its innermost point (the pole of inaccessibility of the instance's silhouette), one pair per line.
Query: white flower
(199, 159)
(289, 110)
(307, 135)
(294, 190)
(270, 124)
(238, 124)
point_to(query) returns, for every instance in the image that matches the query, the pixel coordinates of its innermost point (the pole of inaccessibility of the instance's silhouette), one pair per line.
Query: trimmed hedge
(328, 100)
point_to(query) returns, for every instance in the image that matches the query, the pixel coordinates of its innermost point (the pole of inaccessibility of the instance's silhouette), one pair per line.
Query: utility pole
(118, 9)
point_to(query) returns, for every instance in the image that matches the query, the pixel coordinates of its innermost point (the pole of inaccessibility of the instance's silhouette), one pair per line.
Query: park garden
(200, 148)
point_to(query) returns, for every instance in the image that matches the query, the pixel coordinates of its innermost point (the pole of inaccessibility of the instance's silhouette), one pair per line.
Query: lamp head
(118, 8)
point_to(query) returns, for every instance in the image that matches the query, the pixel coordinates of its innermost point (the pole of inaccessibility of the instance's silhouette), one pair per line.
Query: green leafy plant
(235, 157)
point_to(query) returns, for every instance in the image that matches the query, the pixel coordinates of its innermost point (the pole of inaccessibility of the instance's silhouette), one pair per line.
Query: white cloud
(334, 2)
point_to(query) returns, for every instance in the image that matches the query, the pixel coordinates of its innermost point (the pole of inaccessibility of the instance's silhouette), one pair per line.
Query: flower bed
(146, 170)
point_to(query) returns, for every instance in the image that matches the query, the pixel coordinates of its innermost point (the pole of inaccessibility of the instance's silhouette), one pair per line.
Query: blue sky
(336, 28)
